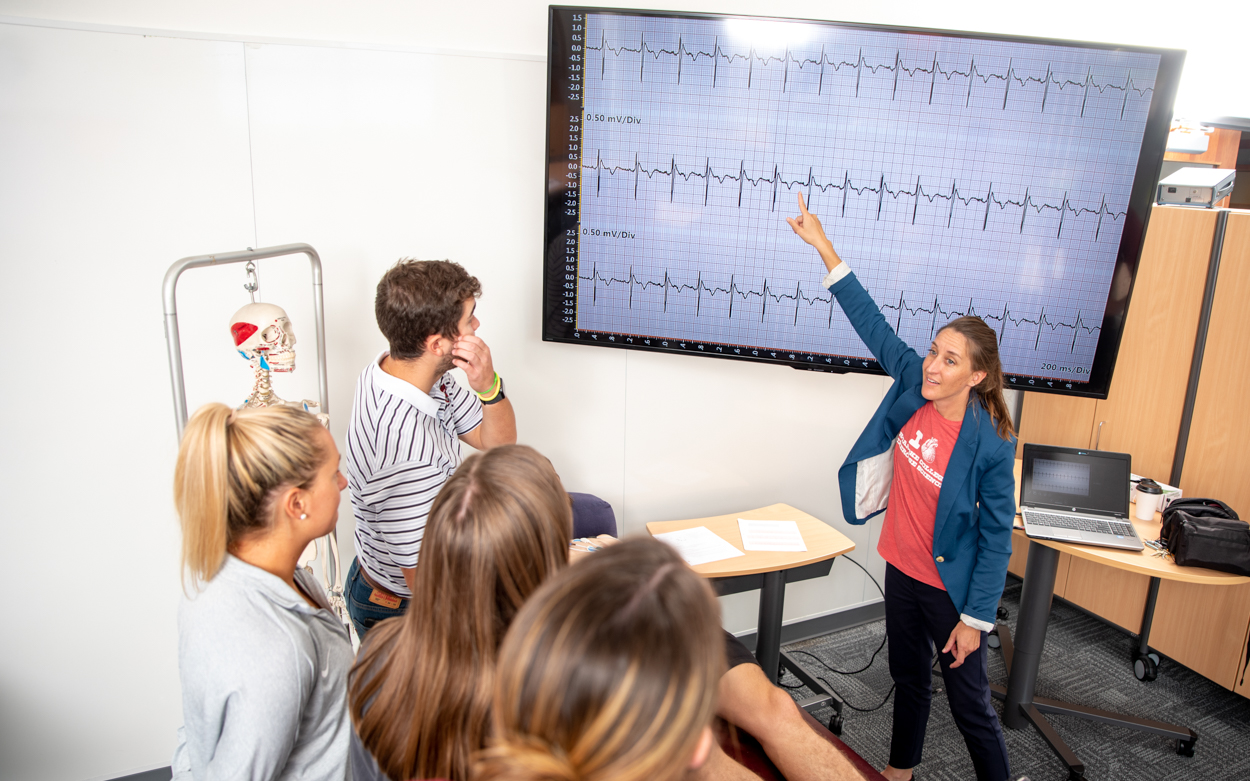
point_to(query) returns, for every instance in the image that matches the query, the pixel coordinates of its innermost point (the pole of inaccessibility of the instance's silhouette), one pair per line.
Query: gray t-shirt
(264, 681)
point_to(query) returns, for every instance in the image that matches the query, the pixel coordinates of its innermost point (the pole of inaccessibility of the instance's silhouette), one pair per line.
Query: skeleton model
(262, 334)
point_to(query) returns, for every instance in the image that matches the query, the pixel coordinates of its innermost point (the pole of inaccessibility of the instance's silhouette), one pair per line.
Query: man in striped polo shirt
(407, 416)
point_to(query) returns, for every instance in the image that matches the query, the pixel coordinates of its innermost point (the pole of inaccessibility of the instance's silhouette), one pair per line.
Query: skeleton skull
(262, 334)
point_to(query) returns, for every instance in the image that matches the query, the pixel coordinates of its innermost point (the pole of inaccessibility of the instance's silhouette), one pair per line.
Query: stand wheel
(992, 641)
(1185, 747)
(1146, 668)
(1003, 613)
(838, 721)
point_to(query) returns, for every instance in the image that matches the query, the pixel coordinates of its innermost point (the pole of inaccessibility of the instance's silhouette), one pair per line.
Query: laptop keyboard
(1081, 524)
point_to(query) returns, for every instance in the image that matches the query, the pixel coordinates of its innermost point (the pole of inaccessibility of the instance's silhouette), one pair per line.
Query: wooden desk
(823, 541)
(769, 572)
(1023, 656)
(1142, 562)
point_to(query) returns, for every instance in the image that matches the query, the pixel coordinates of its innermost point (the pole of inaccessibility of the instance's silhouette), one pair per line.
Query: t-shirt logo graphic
(929, 449)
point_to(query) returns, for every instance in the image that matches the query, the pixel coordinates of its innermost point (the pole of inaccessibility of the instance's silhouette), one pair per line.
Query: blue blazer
(977, 502)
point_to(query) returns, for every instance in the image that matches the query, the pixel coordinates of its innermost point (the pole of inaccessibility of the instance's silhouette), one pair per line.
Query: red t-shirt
(921, 453)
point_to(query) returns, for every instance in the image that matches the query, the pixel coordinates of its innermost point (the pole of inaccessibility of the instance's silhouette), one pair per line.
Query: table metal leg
(1023, 708)
(1145, 663)
(1030, 636)
(768, 635)
(823, 694)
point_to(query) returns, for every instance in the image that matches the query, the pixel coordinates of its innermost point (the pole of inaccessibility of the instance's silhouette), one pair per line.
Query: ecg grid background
(955, 176)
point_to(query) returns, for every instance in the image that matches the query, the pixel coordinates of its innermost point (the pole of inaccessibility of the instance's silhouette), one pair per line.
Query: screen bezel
(1141, 199)
(1032, 452)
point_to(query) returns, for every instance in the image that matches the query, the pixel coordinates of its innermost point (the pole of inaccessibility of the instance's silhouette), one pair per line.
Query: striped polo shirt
(402, 446)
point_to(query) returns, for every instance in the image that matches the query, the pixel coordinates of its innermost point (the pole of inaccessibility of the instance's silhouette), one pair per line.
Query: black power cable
(871, 659)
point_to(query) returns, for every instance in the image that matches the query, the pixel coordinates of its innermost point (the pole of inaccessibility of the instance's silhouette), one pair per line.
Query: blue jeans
(366, 614)
(917, 617)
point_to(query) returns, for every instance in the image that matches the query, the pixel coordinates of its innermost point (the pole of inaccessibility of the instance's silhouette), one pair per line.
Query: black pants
(918, 620)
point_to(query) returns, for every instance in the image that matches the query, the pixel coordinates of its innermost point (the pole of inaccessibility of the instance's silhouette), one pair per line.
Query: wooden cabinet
(1217, 460)
(1142, 412)
(1202, 627)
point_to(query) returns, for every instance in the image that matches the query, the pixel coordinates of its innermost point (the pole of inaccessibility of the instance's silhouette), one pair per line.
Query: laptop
(1076, 495)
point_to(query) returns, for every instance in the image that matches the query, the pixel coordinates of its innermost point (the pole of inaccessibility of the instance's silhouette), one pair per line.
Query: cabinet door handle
(1098, 437)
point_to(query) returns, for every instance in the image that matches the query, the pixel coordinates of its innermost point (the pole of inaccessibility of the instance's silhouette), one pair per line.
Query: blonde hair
(420, 691)
(609, 672)
(231, 467)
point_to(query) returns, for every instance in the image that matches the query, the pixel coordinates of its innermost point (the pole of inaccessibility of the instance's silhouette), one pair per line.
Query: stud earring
(303, 516)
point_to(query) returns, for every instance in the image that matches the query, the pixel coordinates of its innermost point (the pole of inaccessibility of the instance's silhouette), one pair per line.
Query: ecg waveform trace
(933, 70)
(881, 189)
(799, 297)
(995, 176)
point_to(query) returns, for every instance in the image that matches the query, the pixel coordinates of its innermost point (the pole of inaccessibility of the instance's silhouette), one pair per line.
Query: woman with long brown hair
(609, 673)
(262, 659)
(937, 457)
(421, 688)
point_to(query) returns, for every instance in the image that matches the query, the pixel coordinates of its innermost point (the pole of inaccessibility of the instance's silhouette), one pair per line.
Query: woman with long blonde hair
(262, 659)
(609, 673)
(420, 691)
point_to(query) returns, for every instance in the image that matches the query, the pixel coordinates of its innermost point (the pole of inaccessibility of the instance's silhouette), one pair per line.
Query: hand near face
(471, 354)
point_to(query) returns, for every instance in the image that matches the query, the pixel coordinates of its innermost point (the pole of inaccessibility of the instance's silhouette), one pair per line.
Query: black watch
(498, 396)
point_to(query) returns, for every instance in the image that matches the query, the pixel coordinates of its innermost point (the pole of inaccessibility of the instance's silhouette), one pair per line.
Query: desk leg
(768, 634)
(1022, 708)
(1030, 635)
(1146, 664)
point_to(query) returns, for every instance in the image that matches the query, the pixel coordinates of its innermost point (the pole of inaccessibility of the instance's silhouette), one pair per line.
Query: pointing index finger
(802, 205)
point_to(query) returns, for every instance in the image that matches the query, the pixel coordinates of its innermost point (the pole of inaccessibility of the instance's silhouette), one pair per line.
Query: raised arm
(498, 420)
(894, 355)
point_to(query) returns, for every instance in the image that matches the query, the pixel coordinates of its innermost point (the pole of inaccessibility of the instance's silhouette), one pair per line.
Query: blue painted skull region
(263, 336)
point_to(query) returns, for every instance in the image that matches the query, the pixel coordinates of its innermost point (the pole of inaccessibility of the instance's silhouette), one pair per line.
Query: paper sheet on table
(771, 535)
(699, 545)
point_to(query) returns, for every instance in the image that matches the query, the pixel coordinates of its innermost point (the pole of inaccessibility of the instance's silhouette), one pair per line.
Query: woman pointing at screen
(937, 456)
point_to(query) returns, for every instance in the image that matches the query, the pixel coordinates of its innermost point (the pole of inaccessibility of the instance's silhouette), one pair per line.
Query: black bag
(1206, 533)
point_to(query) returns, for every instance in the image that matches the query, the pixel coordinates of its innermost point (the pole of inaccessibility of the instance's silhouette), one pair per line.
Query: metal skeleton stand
(333, 578)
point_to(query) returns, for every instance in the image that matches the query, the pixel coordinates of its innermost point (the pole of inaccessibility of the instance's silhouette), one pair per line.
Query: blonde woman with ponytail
(937, 457)
(609, 673)
(262, 659)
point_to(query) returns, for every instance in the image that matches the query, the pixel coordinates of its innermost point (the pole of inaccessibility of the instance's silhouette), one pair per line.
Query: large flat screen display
(956, 173)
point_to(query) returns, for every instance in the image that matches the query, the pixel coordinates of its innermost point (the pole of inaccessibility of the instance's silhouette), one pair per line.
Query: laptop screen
(1076, 480)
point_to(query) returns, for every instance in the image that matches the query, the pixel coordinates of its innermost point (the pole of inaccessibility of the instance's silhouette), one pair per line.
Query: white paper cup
(1147, 505)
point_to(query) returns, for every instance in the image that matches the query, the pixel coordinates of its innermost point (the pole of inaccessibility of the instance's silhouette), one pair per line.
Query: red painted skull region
(263, 335)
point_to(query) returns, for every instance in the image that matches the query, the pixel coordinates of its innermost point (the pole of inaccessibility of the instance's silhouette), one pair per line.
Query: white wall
(120, 153)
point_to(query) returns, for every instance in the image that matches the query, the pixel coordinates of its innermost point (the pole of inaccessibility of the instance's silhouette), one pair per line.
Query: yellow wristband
(494, 389)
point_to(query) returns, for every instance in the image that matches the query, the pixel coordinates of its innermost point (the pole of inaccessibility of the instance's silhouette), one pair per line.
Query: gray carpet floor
(1085, 662)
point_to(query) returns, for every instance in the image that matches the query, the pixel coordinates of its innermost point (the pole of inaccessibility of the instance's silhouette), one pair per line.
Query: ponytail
(983, 352)
(231, 466)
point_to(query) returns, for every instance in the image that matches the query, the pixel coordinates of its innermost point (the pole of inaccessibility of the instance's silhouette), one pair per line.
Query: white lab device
(1201, 187)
